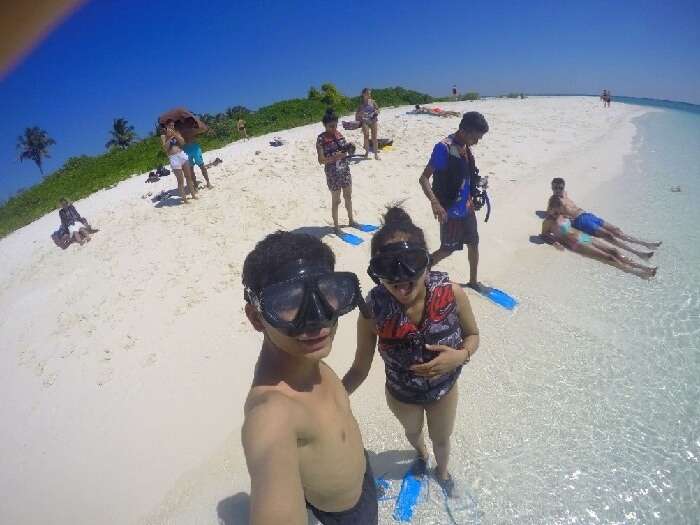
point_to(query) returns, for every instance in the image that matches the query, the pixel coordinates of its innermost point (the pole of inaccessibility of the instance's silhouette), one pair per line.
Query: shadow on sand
(234, 510)
(317, 231)
(167, 198)
(536, 239)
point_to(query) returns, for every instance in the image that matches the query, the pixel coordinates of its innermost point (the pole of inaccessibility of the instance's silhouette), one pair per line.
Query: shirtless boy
(302, 444)
(593, 225)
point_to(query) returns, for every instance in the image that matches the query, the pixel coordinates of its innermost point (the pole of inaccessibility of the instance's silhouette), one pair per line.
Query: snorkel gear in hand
(479, 195)
(303, 297)
(398, 262)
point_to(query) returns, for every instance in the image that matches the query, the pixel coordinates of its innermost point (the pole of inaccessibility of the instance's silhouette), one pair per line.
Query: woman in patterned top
(333, 151)
(426, 332)
(72, 224)
(368, 115)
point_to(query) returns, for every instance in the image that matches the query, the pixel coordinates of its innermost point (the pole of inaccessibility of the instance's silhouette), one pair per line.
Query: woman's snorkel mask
(304, 297)
(398, 262)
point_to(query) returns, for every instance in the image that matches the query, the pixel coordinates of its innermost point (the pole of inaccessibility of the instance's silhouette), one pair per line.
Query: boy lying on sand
(302, 444)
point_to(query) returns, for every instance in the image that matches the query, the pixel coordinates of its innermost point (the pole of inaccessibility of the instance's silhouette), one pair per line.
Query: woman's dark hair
(329, 116)
(278, 249)
(417, 106)
(366, 90)
(558, 180)
(397, 221)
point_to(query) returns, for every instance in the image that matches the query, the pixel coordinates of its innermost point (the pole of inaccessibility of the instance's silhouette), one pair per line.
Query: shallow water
(594, 418)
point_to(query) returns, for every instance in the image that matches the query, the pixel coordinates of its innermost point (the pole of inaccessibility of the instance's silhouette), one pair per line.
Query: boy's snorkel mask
(398, 262)
(304, 297)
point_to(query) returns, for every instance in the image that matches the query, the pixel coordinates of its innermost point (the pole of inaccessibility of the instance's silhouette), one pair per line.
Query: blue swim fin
(501, 298)
(408, 497)
(368, 228)
(350, 238)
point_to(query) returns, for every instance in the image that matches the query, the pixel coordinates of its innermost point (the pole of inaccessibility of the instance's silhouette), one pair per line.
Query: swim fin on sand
(350, 238)
(461, 506)
(497, 296)
(411, 486)
(367, 228)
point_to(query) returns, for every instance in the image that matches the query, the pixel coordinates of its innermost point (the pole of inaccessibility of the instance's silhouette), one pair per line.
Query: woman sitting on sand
(426, 331)
(73, 225)
(172, 143)
(368, 115)
(333, 151)
(557, 229)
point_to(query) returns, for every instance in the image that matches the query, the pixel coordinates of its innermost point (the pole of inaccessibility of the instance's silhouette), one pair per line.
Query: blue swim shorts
(194, 152)
(588, 223)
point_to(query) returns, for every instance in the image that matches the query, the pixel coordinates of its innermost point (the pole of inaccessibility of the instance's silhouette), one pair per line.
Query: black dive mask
(305, 297)
(398, 262)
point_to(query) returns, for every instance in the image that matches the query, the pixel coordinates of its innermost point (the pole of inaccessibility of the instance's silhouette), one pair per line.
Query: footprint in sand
(151, 359)
(50, 380)
(105, 376)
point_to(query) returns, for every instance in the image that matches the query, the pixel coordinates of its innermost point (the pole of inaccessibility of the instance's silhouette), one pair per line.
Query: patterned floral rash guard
(402, 343)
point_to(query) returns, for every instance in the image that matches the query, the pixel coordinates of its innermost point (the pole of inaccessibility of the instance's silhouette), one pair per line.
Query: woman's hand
(445, 362)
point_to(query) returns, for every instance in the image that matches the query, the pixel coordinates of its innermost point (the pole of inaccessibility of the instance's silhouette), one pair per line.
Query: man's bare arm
(438, 211)
(270, 444)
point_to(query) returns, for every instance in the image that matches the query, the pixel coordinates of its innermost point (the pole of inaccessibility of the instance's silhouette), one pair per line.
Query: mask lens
(284, 301)
(404, 265)
(338, 290)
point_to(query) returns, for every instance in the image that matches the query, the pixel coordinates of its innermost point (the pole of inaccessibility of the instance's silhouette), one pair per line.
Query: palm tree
(122, 134)
(34, 145)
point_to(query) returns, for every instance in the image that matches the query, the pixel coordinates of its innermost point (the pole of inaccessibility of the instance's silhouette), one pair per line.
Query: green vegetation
(472, 95)
(81, 176)
(34, 145)
(123, 135)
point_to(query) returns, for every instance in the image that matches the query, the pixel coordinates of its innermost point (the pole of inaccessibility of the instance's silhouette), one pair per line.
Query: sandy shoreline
(124, 363)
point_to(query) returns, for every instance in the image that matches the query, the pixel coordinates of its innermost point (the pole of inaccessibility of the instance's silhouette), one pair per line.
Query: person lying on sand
(426, 331)
(558, 231)
(302, 444)
(76, 227)
(434, 111)
(592, 225)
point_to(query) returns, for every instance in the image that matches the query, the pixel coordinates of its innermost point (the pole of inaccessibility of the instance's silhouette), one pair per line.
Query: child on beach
(302, 444)
(426, 331)
(593, 225)
(557, 229)
(333, 151)
(368, 115)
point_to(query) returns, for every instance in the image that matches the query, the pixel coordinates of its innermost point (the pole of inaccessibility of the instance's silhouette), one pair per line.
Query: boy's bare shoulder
(270, 416)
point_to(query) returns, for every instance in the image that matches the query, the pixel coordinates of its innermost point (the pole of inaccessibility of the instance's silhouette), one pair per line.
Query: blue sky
(135, 59)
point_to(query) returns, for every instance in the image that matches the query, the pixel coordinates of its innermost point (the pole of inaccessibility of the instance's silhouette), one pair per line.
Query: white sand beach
(124, 363)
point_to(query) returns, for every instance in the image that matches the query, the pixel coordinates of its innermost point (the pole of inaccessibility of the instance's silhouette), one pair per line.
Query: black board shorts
(365, 510)
(455, 233)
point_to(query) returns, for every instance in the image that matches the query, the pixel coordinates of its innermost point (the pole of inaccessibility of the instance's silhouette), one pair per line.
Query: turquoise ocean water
(609, 414)
(590, 410)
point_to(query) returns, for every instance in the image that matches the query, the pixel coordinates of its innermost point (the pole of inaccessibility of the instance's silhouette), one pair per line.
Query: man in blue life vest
(455, 177)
